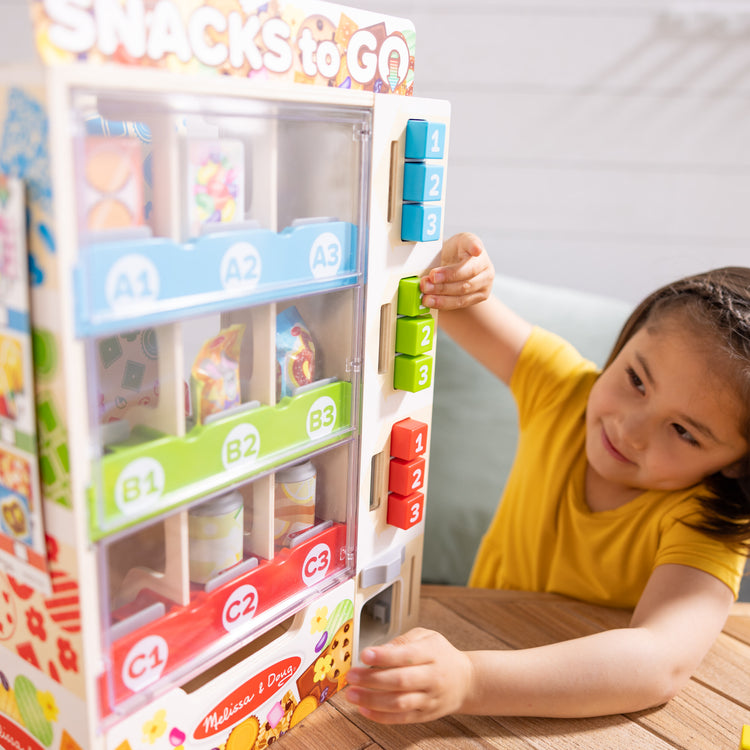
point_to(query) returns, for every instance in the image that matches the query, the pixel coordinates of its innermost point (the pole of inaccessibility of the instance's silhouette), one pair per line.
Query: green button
(415, 335)
(412, 373)
(410, 297)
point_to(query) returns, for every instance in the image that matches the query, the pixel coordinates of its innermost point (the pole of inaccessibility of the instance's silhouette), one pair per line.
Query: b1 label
(139, 485)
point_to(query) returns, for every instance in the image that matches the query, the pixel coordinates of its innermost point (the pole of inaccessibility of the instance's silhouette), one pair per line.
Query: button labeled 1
(424, 140)
(408, 439)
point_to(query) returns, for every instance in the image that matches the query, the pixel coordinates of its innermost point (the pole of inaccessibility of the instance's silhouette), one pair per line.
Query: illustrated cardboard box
(215, 370)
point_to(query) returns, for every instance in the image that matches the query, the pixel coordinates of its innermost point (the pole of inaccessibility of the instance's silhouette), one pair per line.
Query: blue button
(423, 182)
(420, 222)
(424, 140)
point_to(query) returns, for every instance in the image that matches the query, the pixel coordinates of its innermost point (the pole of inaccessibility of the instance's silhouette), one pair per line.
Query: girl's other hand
(418, 676)
(464, 277)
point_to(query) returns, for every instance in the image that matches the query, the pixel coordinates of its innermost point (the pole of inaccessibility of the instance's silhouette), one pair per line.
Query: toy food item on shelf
(295, 353)
(113, 174)
(294, 501)
(215, 375)
(216, 182)
(127, 373)
(215, 532)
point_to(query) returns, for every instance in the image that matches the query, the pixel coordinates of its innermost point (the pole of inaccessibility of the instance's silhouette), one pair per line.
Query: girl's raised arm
(461, 290)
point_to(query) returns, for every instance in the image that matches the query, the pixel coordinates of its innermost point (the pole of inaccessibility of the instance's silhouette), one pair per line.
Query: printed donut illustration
(302, 360)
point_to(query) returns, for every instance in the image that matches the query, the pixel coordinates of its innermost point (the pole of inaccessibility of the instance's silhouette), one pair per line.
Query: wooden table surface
(707, 715)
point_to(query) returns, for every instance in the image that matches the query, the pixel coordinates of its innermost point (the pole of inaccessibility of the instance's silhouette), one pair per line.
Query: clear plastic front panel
(220, 298)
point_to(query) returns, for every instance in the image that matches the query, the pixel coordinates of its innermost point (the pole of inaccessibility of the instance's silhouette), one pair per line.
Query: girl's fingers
(458, 287)
(461, 246)
(397, 679)
(463, 270)
(408, 649)
(451, 296)
(390, 717)
(386, 702)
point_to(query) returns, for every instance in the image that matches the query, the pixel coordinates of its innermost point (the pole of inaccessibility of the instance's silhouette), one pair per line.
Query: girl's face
(661, 416)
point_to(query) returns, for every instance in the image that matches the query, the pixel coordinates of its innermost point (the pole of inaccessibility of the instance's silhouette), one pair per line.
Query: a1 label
(132, 281)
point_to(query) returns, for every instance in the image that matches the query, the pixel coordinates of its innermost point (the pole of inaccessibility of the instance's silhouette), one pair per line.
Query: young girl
(630, 488)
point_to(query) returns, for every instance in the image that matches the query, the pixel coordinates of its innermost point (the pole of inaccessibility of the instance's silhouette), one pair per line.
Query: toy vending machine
(216, 372)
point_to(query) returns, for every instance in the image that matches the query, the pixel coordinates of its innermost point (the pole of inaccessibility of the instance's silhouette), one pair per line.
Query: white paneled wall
(598, 144)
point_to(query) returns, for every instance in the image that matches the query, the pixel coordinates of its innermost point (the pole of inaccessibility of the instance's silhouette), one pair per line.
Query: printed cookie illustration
(343, 611)
(341, 654)
(327, 674)
(304, 708)
(244, 736)
(278, 721)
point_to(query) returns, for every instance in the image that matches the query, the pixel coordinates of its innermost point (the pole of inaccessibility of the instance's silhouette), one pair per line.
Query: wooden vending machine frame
(216, 374)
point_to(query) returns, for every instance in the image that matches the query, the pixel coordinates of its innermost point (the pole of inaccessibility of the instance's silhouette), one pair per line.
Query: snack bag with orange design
(216, 373)
(295, 353)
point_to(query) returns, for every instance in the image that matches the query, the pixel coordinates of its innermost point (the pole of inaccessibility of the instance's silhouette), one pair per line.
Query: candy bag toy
(295, 353)
(216, 373)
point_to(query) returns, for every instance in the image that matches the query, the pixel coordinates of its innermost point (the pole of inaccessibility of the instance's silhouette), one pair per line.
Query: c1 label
(145, 662)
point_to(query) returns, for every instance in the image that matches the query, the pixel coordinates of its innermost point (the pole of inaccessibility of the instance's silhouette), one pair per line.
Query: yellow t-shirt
(544, 537)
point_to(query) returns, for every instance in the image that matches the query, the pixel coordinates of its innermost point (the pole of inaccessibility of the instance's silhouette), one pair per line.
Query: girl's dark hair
(718, 302)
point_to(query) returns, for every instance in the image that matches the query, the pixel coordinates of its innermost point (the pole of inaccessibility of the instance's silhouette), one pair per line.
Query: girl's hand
(418, 676)
(464, 277)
